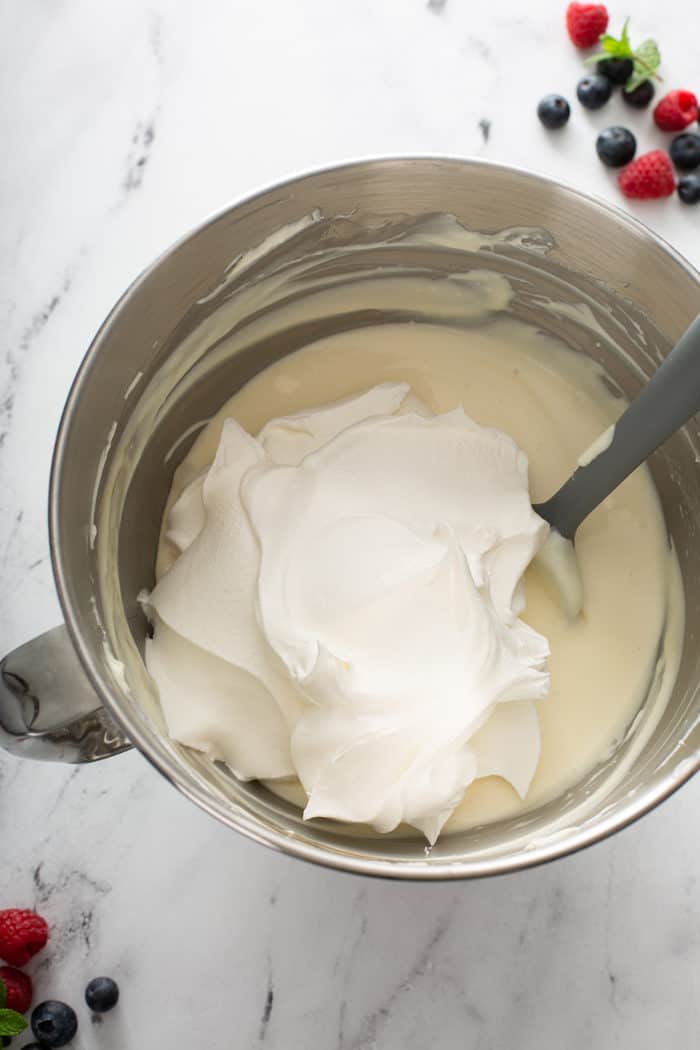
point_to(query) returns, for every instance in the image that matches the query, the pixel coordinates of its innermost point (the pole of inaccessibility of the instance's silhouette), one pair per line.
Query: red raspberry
(676, 111)
(650, 175)
(585, 23)
(18, 986)
(23, 933)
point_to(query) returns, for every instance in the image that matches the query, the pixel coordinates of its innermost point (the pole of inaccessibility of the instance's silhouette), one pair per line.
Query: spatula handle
(665, 404)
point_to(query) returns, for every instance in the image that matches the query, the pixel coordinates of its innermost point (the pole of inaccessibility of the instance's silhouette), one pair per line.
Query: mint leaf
(612, 47)
(11, 1023)
(625, 39)
(647, 58)
(615, 48)
(649, 53)
(609, 43)
(634, 80)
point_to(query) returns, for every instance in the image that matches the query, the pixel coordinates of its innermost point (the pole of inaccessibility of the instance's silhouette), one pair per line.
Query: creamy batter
(554, 404)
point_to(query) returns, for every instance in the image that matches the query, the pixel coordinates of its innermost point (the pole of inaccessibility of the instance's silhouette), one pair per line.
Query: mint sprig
(11, 1023)
(614, 48)
(646, 58)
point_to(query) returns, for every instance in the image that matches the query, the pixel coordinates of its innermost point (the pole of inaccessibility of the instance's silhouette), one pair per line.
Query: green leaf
(11, 1023)
(649, 53)
(3, 994)
(634, 80)
(647, 58)
(625, 38)
(615, 48)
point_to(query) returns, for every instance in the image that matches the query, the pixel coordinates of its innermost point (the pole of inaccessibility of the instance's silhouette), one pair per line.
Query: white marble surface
(122, 124)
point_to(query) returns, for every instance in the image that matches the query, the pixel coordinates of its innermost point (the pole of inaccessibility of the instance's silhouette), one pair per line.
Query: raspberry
(676, 110)
(585, 23)
(18, 986)
(23, 933)
(649, 176)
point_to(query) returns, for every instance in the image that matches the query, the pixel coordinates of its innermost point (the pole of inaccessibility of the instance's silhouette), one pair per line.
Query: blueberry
(616, 146)
(53, 1023)
(685, 151)
(102, 994)
(641, 96)
(617, 70)
(594, 91)
(553, 111)
(689, 188)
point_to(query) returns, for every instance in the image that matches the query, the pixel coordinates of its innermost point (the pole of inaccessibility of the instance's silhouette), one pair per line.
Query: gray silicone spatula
(666, 403)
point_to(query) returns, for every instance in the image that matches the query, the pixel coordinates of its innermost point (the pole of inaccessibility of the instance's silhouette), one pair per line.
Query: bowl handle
(48, 709)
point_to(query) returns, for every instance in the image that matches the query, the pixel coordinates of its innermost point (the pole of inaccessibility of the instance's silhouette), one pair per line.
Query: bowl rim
(416, 870)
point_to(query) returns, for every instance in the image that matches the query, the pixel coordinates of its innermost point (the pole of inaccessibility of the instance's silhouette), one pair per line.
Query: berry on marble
(54, 1023)
(685, 151)
(648, 177)
(640, 96)
(689, 188)
(18, 989)
(593, 91)
(616, 146)
(676, 111)
(23, 933)
(11, 1021)
(553, 111)
(585, 23)
(102, 994)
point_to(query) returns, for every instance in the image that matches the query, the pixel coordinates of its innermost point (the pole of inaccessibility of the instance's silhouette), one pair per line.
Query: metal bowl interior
(158, 368)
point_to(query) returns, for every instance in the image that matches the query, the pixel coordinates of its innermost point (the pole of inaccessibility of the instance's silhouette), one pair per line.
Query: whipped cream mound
(344, 609)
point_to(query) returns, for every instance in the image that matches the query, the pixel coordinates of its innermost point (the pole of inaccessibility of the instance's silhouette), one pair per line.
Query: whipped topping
(345, 609)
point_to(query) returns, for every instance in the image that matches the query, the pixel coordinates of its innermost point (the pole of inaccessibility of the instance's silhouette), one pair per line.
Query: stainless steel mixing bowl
(159, 366)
